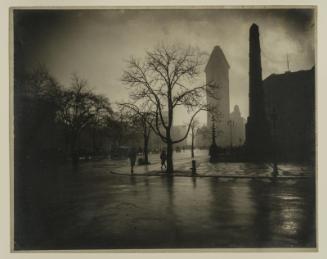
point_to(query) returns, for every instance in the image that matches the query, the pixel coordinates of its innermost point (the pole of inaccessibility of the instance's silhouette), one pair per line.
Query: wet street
(89, 207)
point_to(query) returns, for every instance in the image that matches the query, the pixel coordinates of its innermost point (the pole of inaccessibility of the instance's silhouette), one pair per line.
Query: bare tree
(143, 116)
(194, 127)
(79, 109)
(165, 78)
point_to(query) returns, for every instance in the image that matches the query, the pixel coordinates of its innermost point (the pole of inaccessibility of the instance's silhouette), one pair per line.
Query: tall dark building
(257, 127)
(292, 96)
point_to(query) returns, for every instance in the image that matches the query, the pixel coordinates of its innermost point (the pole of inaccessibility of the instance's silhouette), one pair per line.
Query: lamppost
(274, 139)
(213, 132)
(192, 148)
(213, 150)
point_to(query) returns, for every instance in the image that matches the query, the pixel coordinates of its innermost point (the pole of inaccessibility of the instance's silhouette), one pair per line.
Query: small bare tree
(194, 127)
(143, 117)
(165, 78)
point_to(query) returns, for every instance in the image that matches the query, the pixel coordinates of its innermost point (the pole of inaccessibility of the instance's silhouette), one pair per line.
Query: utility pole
(213, 150)
(274, 119)
(213, 131)
(193, 126)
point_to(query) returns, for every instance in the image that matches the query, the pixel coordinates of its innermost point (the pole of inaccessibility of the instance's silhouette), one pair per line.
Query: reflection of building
(217, 79)
(292, 96)
(237, 127)
(257, 128)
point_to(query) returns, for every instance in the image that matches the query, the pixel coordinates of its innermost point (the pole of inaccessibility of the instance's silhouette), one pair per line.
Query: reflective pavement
(88, 207)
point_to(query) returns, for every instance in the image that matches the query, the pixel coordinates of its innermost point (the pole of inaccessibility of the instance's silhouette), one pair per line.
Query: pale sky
(95, 43)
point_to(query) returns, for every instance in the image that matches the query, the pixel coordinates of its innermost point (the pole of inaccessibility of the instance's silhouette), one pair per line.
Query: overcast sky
(95, 43)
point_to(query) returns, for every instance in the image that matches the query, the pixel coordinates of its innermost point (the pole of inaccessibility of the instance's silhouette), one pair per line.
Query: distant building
(203, 137)
(237, 127)
(292, 96)
(178, 132)
(217, 79)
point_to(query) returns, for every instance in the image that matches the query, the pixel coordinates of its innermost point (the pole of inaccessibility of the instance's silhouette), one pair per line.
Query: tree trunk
(192, 147)
(170, 165)
(170, 162)
(145, 149)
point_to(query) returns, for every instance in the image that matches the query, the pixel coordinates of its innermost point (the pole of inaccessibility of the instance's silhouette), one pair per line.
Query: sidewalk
(182, 167)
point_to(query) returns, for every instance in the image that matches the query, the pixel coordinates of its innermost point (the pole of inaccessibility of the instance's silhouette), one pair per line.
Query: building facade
(217, 80)
(291, 96)
(237, 128)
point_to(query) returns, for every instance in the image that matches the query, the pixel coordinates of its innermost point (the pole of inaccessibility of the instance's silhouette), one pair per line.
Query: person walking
(163, 158)
(132, 158)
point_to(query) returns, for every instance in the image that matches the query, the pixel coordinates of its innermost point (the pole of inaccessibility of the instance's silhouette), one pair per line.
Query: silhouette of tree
(81, 108)
(116, 128)
(194, 127)
(37, 99)
(143, 117)
(165, 78)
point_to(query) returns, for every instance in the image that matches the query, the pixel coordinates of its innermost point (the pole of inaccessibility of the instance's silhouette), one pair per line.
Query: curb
(154, 173)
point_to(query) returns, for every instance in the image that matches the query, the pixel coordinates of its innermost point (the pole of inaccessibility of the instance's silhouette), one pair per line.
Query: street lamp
(274, 120)
(213, 150)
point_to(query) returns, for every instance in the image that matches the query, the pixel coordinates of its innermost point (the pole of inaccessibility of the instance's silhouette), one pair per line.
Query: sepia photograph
(164, 128)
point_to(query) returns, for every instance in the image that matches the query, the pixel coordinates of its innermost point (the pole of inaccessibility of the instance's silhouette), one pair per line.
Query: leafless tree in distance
(80, 108)
(194, 127)
(143, 117)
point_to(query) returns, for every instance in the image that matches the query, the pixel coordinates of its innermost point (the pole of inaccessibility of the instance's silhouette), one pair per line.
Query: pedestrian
(163, 158)
(132, 158)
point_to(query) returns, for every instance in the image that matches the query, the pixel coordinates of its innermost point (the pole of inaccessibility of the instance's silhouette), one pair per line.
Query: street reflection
(109, 211)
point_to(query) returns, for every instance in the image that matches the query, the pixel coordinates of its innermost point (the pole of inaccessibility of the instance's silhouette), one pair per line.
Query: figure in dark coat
(132, 158)
(163, 158)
